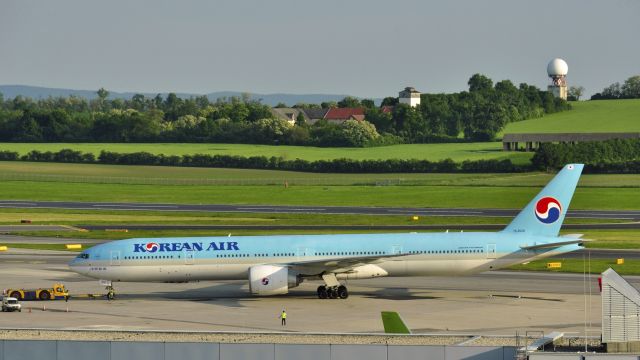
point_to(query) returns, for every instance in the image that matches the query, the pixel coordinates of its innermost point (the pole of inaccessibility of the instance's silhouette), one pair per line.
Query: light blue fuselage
(229, 258)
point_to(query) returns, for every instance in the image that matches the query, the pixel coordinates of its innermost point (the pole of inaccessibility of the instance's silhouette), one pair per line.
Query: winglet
(393, 323)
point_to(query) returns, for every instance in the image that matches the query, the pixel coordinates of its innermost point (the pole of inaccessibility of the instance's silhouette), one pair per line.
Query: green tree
(368, 103)
(479, 82)
(358, 133)
(349, 102)
(631, 88)
(102, 94)
(389, 101)
(575, 92)
(328, 104)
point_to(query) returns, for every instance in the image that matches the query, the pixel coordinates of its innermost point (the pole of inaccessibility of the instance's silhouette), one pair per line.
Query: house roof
(314, 114)
(386, 109)
(345, 114)
(286, 113)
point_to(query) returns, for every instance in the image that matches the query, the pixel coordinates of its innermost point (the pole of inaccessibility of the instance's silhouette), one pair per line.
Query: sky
(365, 48)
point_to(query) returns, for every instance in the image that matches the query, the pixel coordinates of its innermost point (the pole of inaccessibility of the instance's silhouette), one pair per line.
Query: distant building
(409, 96)
(313, 115)
(288, 114)
(334, 115)
(340, 115)
(557, 70)
(386, 109)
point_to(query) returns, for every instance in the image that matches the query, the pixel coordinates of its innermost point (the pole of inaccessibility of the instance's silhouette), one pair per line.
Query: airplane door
(491, 251)
(188, 257)
(115, 258)
(302, 252)
(396, 249)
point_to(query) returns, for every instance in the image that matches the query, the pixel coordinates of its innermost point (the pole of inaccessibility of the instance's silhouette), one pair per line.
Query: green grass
(596, 266)
(165, 175)
(38, 246)
(433, 152)
(613, 239)
(422, 196)
(586, 116)
(105, 217)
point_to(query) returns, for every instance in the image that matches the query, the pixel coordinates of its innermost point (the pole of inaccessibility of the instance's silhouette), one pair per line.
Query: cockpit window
(83, 256)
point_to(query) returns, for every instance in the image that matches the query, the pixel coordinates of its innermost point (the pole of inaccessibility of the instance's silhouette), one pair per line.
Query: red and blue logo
(152, 247)
(548, 210)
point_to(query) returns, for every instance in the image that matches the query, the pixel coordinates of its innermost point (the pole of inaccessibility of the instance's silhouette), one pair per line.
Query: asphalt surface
(500, 302)
(631, 215)
(453, 227)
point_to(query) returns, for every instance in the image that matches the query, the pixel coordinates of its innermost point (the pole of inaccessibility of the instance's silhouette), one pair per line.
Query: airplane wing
(338, 265)
(553, 245)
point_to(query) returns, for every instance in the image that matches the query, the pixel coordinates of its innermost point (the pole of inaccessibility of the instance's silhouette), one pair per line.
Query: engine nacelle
(363, 272)
(271, 280)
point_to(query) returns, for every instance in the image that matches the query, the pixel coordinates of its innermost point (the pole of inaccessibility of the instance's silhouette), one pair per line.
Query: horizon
(271, 48)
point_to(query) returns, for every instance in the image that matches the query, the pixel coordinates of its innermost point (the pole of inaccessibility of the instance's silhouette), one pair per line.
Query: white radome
(557, 67)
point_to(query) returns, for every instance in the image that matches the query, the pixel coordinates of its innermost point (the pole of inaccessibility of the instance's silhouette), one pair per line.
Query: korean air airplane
(274, 264)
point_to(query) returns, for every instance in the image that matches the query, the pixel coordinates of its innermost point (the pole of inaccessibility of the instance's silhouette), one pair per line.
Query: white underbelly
(172, 272)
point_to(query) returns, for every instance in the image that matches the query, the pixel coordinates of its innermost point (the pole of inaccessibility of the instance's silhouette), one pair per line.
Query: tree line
(478, 114)
(612, 156)
(630, 89)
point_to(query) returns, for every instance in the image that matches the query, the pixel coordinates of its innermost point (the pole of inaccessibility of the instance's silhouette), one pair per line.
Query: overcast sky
(364, 48)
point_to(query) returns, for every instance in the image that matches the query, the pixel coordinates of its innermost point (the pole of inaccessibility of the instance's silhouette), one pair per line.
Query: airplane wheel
(322, 292)
(45, 295)
(333, 294)
(342, 292)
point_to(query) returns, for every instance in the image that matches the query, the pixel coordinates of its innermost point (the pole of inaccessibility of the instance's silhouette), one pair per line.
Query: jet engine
(272, 280)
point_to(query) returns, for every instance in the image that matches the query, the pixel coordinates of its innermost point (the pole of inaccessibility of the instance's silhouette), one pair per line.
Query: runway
(446, 227)
(490, 303)
(631, 215)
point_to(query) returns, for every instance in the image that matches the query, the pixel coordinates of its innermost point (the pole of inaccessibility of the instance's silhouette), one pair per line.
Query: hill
(586, 116)
(36, 92)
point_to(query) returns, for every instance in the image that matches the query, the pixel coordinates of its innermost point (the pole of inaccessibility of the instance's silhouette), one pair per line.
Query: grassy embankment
(432, 152)
(586, 116)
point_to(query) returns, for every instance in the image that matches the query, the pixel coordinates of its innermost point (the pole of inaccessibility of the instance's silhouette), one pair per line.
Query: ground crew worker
(110, 293)
(283, 316)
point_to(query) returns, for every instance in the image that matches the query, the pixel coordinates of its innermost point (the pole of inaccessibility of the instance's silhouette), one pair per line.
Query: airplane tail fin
(545, 213)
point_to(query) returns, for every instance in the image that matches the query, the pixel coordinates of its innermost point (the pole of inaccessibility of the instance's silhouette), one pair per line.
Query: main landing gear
(333, 292)
(332, 288)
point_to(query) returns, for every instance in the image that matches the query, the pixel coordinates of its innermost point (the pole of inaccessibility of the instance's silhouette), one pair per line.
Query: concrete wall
(121, 350)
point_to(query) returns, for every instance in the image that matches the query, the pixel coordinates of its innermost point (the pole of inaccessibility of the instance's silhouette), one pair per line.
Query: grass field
(164, 175)
(595, 266)
(586, 116)
(405, 196)
(433, 152)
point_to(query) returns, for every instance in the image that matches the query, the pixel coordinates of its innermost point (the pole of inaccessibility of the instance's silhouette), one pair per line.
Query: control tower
(557, 71)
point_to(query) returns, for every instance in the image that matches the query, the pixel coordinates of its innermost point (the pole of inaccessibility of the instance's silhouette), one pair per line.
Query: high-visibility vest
(284, 315)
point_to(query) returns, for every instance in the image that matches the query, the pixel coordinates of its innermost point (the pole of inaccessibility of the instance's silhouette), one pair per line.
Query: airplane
(276, 263)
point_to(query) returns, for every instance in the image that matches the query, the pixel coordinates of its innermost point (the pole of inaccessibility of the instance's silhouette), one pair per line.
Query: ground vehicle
(11, 304)
(57, 292)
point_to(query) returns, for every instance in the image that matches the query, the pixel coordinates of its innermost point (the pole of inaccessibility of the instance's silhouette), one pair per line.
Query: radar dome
(557, 67)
